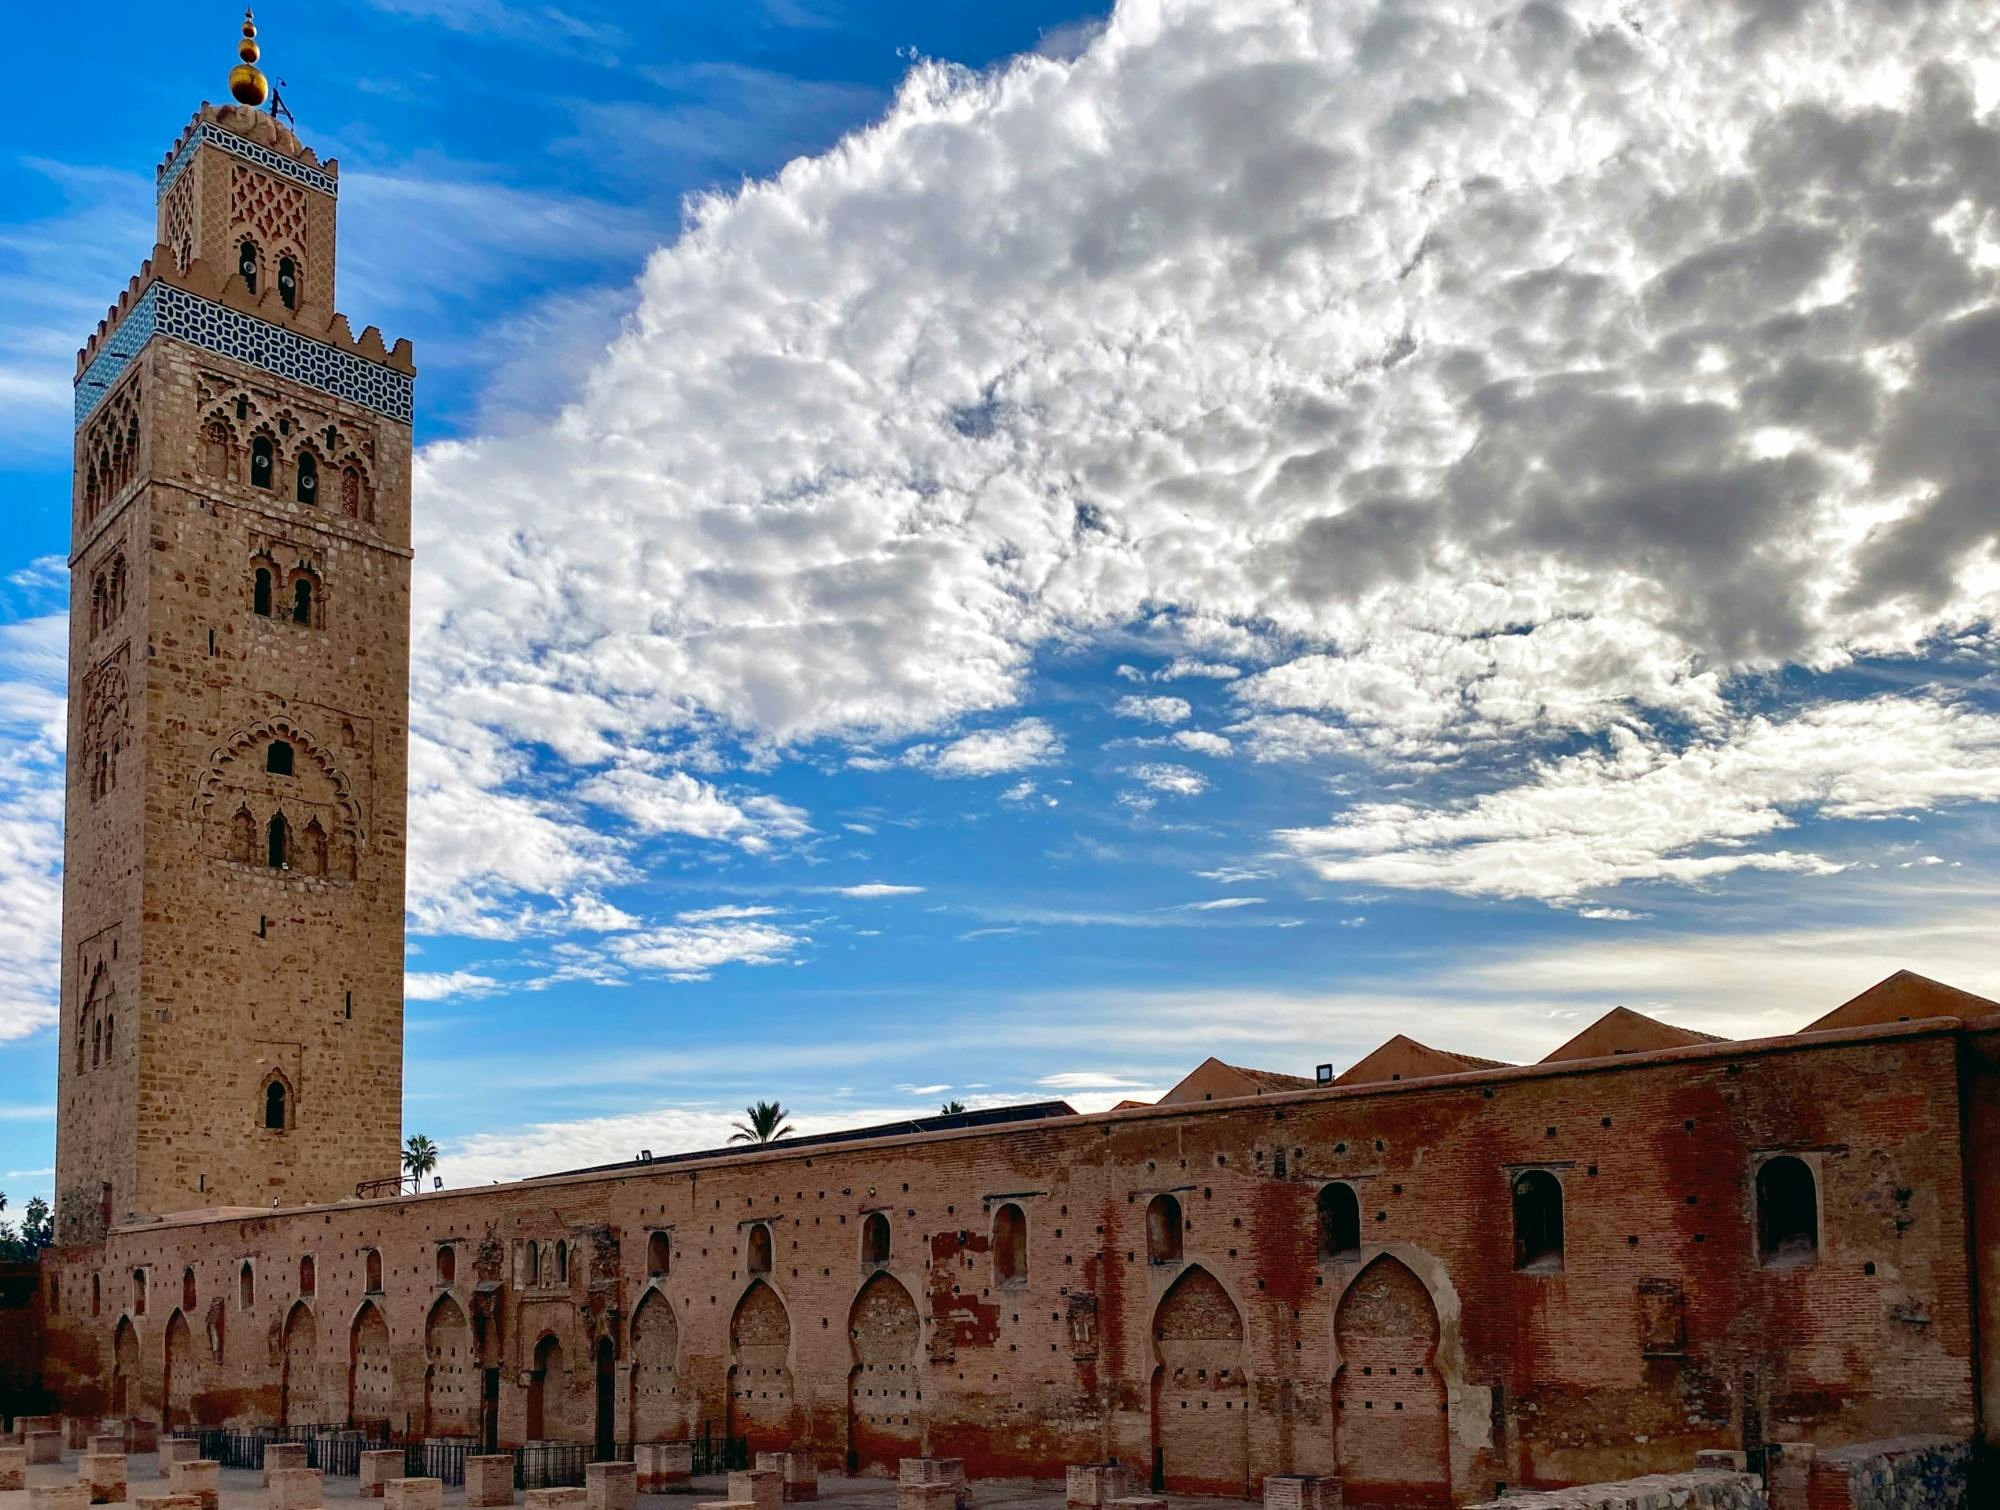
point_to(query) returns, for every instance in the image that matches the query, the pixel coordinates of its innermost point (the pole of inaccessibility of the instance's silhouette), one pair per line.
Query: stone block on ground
(200, 1477)
(77, 1432)
(279, 1456)
(723, 1505)
(103, 1474)
(489, 1480)
(45, 1446)
(412, 1494)
(177, 1450)
(378, 1466)
(1095, 1485)
(1140, 1502)
(556, 1499)
(106, 1442)
(13, 1468)
(59, 1497)
(1301, 1491)
(762, 1487)
(800, 1471)
(663, 1466)
(25, 1424)
(298, 1488)
(141, 1435)
(611, 1486)
(926, 1497)
(166, 1502)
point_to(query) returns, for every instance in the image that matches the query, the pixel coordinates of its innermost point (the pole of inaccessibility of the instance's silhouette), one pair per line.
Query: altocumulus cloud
(1467, 378)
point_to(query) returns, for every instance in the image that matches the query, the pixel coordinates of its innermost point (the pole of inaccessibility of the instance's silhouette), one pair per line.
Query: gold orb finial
(247, 84)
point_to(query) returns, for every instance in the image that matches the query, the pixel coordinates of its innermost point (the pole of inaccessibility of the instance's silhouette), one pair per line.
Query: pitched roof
(1274, 1080)
(1623, 1031)
(1212, 1080)
(1403, 1058)
(1904, 997)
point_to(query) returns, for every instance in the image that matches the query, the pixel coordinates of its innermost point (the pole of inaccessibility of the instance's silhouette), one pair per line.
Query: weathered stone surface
(103, 1474)
(663, 1467)
(800, 1472)
(762, 1487)
(378, 1466)
(1096, 1485)
(489, 1479)
(13, 1468)
(299, 1488)
(59, 1496)
(555, 1499)
(412, 1494)
(44, 1446)
(200, 1477)
(611, 1486)
(174, 1450)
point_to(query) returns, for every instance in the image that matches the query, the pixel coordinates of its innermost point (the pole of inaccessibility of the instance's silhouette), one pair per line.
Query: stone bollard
(928, 1473)
(377, 1468)
(412, 1494)
(294, 1488)
(926, 1497)
(1140, 1502)
(60, 1497)
(44, 1447)
(723, 1505)
(177, 1450)
(25, 1424)
(201, 1478)
(282, 1456)
(166, 1502)
(1097, 1484)
(103, 1474)
(762, 1487)
(800, 1473)
(555, 1499)
(1300, 1491)
(489, 1479)
(106, 1442)
(13, 1469)
(141, 1435)
(76, 1432)
(611, 1486)
(664, 1467)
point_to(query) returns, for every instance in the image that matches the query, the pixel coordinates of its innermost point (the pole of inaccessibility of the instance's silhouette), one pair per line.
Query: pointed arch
(656, 1410)
(244, 753)
(760, 1369)
(298, 1384)
(548, 1393)
(884, 1386)
(451, 1394)
(1201, 1441)
(124, 1367)
(371, 1391)
(277, 1108)
(1391, 1426)
(179, 1373)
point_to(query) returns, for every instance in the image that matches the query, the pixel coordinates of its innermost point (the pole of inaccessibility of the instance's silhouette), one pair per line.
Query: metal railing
(549, 1465)
(718, 1452)
(334, 1450)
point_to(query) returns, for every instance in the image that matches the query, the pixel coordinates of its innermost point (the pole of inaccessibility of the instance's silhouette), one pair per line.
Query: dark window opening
(274, 1106)
(306, 1276)
(1538, 1222)
(656, 1255)
(288, 282)
(760, 1249)
(138, 1292)
(374, 1271)
(308, 484)
(562, 1263)
(875, 1239)
(1010, 1245)
(260, 593)
(246, 264)
(246, 1286)
(187, 1291)
(1787, 1213)
(278, 758)
(447, 1264)
(262, 459)
(1339, 1222)
(1163, 1230)
(275, 843)
(302, 601)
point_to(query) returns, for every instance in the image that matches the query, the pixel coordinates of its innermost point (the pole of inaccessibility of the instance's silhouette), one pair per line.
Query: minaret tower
(232, 983)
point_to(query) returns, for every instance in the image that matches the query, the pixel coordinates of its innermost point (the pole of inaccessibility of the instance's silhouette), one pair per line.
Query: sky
(992, 552)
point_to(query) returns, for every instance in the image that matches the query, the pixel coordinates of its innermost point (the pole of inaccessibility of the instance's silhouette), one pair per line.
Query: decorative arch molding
(244, 744)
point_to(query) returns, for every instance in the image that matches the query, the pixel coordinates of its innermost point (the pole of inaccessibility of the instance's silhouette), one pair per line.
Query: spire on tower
(247, 84)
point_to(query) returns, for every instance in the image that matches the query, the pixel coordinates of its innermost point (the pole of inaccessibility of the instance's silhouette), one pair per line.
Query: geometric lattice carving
(250, 152)
(242, 795)
(276, 210)
(177, 224)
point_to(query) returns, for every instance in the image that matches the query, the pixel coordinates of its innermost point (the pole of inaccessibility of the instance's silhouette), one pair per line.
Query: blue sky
(996, 551)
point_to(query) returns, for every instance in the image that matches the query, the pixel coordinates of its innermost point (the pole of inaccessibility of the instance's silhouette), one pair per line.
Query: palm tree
(767, 1124)
(420, 1157)
(952, 1108)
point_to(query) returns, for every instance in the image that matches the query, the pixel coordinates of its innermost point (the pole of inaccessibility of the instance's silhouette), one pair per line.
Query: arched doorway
(298, 1387)
(177, 1382)
(1201, 1402)
(604, 1440)
(546, 1393)
(1390, 1423)
(760, 1370)
(884, 1394)
(656, 1347)
(451, 1394)
(371, 1386)
(124, 1368)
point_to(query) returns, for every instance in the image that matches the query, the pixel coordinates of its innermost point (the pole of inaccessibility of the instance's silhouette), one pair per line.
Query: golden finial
(247, 84)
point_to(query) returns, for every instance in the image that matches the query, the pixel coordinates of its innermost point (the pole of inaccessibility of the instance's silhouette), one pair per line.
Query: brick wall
(1682, 1491)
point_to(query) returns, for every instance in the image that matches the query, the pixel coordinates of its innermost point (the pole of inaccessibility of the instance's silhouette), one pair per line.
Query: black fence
(546, 1465)
(437, 1460)
(719, 1453)
(332, 1450)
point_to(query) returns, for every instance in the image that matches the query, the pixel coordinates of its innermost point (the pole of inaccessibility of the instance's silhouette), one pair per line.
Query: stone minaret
(232, 983)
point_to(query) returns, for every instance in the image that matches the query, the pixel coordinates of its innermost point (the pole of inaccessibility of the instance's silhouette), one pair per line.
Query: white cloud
(990, 752)
(693, 951)
(1234, 875)
(1641, 810)
(1158, 710)
(1175, 780)
(1201, 742)
(1219, 904)
(1182, 667)
(32, 735)
(447, 985)
(871, 889)
(674, 802)
(720, 914)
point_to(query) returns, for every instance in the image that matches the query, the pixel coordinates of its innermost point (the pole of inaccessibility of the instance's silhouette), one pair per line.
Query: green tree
(420, 1157)
(38, 1230)
(952, 1108)
(766, 1124)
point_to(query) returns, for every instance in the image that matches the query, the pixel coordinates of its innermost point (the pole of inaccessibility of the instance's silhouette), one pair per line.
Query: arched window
(288, 284)
(138, 1292)
(313, 850)
(1010, 1245)
(353, 493)
(215, 450)
(1538, 1222)
(562, 1263)
(308, 480)
(760, 1249)
(532, 1264)
(243, 837)
(374, 1271)
(1339, 1222)
(308, 1277)
(246, 263)
(447, 1264)
(276, 855)
(99, 606)
(110, 1033)
(246, 1286)
(260, 592)
(187, 1291)
(96, 1294)
(278, 757)
(875, 1238)
(1787, 1213)
(656, 1255)
(96, 1044)
(302, 601)
(1163, 1230)
(263, 461)
(274, 1107)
